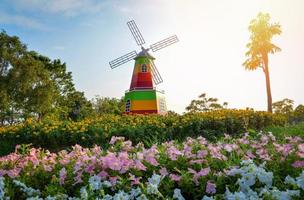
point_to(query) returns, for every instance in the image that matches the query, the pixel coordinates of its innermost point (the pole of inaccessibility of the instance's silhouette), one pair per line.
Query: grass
(289, 130)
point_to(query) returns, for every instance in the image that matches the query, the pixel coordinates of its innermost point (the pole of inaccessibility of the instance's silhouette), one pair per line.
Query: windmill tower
(142, 96)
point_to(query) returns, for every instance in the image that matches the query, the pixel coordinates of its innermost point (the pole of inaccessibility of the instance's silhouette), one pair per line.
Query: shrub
(149, 129)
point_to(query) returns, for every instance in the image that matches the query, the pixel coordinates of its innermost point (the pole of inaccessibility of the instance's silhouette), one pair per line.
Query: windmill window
(143, 68)
(128, 105)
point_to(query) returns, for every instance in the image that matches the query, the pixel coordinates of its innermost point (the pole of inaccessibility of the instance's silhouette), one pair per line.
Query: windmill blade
(123, 59)
(157, 79)
(164, 43)
(136, 33)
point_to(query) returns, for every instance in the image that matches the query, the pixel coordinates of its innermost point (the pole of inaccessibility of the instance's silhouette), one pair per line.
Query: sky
(87, 34)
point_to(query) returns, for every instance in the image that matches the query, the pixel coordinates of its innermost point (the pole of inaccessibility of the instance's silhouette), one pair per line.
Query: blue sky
(87, 34)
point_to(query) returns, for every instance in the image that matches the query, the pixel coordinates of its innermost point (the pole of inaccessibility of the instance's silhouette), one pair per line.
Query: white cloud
(64, 7)
(21, 21)
(58, 47)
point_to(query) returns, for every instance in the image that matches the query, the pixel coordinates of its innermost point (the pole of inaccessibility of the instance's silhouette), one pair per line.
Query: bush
(149, 129)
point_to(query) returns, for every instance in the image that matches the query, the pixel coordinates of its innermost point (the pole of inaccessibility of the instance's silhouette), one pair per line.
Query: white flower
(178, 195)
(34, 198)
(155, 179)
(300, 180)
(290, 180)
(106, 184)
(95, 182)
(152, 189)
(1, 187)
(83, 193)
(284, 195)
(207, 198)
(135, 192)
(107, 197)
(30, 192)
(121, 195)
(234, 196)
(265, 177)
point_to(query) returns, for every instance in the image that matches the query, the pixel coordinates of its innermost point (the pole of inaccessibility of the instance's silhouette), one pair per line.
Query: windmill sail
(164, 43)
(136, 33)
(123, 59)
(157, 79)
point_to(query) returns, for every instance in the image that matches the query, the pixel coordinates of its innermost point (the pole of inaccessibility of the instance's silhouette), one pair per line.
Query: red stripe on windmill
(142, 96)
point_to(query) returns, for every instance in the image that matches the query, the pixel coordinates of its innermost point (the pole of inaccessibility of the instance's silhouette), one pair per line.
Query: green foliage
(298, 114)
(284, 106)
(260, 44)
(106, 105)
(204, 103)
(289, 130)
(149, 129)
(32, 85)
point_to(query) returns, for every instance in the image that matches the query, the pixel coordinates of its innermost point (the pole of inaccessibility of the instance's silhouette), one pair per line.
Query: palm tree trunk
(268, 89)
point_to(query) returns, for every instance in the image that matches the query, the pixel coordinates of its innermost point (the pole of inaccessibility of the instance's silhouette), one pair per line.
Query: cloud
(21, 21)
(62, 7)
(61, 48)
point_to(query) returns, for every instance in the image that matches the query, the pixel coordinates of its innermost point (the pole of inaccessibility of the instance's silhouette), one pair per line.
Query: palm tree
(260, 46)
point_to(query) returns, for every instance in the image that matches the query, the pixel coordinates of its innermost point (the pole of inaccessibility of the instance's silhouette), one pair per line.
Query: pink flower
(114, 139)
(13, 173)
(287, 149)
(215, 152)
(228, 147)
(103, 175)
(197, 175)
(173, 153)
(150, 154)
(152, 160)
(175, 177)
(298, 164)
(295, 139)
(113, 180)
(264, 140)
(90, 169)
(204, 171)
(200, 161)
(211, 187)
(2, 172)
(188, 151)
(62, 175)
(78, 178)
(263, 154)
(201, 153)
(135, 180)
(202, 140)
(163, 171)
(250, 155)
(301, 147)
(138, 165)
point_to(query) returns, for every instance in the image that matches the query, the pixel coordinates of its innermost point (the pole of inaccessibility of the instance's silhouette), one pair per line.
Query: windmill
(142, 97)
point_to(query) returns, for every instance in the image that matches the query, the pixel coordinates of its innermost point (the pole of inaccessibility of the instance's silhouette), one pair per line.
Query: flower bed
(149, 129)
(257, 167)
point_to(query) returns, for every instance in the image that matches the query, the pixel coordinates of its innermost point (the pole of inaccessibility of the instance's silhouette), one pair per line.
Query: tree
(203, 103)
(284, 106)
(299, 113)
(260, 46)
(32, 85)
(106, 105)
(78, 106)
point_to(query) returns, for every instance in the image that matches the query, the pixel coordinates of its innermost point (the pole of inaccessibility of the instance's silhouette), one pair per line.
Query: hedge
(149, 129)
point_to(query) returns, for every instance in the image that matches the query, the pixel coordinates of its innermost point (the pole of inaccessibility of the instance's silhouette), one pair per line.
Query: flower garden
(181, 162)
